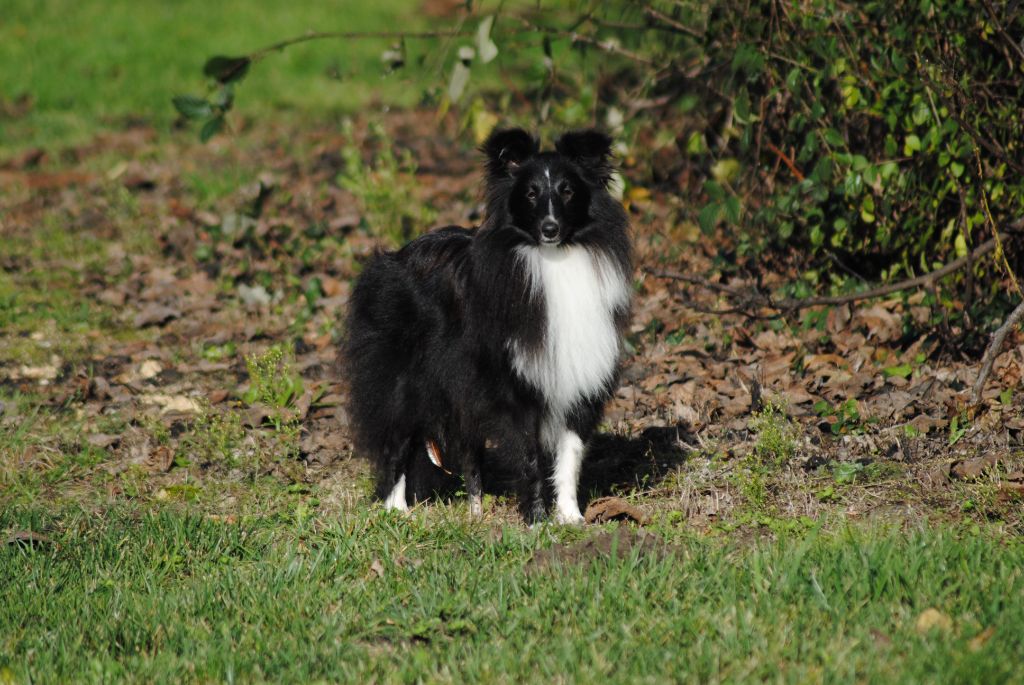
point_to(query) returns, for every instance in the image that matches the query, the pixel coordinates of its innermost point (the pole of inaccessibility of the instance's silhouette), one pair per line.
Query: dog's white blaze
(396, 500)
(581, 290)
(566, 478)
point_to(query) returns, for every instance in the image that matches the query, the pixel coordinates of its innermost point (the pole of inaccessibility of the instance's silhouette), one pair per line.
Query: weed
(776, 434)
(384, 189)
(958, 427)
(216, 438)
(844, 418)
(775, 445)
(276, 387)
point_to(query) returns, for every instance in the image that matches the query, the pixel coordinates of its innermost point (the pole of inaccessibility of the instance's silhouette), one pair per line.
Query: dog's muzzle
(549, 230)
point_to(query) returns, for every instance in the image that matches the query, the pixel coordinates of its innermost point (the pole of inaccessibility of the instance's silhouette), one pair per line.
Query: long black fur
(431, 326)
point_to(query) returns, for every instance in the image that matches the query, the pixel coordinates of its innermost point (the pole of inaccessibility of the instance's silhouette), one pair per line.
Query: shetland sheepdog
(500, 342)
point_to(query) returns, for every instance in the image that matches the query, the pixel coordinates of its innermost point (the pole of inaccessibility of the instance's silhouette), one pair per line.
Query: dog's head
(548, 194)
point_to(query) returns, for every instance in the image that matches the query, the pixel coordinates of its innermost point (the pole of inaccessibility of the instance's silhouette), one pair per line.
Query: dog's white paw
(568, 516)
(396, 499)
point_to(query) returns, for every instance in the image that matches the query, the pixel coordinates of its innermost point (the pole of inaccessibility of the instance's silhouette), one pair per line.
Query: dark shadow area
(613, 463)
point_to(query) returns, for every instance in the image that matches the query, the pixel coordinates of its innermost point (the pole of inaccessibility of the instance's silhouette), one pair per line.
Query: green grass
(168, 596)
(92, 65)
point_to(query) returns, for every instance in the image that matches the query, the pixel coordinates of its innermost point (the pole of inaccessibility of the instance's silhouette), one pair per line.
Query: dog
(507, 335)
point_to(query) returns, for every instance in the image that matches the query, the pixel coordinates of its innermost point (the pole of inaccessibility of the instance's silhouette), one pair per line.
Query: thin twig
(352, 35)
(786, 160)
(995, 344)
(672, 23)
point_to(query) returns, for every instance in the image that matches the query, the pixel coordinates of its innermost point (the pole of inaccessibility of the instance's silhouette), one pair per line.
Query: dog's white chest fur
(581, 291)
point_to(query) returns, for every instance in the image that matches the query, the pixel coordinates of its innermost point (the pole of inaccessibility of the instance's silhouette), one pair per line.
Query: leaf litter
(270, 260)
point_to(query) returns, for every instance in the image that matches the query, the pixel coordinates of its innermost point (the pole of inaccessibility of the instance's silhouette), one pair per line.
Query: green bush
(861, 126)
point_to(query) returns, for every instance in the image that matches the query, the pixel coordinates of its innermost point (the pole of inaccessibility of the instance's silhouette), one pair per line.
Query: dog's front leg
(566, 478)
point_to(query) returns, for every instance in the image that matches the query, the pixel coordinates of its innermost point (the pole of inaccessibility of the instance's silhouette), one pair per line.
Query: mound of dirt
(617, 544)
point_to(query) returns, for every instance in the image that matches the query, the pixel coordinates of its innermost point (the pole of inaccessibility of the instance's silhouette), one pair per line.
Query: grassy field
(96, 65)
(158, 524)
(140, 595)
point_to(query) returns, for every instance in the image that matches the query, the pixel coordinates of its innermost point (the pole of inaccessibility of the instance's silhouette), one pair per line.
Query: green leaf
(794, 79)
(903, 371)
(847, 471)
(733, 209)
(192, 107)
(211, 128)
(911, 144)
(708, 217)
(833, 138)
(227, 69)
(725, 170)
(695, 144)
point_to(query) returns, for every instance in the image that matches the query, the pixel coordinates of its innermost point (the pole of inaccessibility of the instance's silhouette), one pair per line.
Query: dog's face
(549, 198)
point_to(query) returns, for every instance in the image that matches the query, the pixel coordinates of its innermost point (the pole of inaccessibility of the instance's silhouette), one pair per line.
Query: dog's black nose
(549, 229)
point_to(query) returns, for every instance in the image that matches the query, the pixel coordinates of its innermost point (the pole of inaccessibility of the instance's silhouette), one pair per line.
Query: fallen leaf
(160, 460)
(253, 296)
(149, 369)
(606, 509)
(44, 373)
(172, 404)
(377, 568)
(972, 469)
(27, 538)
(103, 440)
(931, 619)
(155, 315)
(979, 640)
(880, 638)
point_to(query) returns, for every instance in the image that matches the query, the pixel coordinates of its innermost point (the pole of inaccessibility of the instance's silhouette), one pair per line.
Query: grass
(92, 66)
(245, 564)
(164, 595)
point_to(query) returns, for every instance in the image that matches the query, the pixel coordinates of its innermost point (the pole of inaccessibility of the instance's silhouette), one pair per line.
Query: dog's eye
(531, 194)
(566, 193)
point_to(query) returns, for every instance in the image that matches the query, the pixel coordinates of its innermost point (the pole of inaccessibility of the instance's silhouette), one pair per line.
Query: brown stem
(995, 344)
(352, 35)
(786, 160)
(672, 23)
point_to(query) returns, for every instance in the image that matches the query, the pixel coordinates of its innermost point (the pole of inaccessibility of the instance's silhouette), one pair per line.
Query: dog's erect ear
(507, 149)
(590, 150)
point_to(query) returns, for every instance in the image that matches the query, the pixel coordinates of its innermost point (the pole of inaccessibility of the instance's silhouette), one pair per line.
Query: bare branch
(672, 23)
(758, 300)
(995, 344)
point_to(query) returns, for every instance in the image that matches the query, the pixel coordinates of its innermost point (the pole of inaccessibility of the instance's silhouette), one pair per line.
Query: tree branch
(755, 299)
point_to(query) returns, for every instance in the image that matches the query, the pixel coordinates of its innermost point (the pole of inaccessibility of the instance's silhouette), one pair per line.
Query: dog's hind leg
(474, 484)
(531, 489)
(396, 463)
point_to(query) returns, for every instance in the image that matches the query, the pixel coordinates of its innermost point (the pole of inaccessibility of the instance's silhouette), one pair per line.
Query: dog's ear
(590, 150)
(507, 149)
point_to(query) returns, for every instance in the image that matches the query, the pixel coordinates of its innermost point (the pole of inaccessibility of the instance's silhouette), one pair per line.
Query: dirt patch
(617, 544)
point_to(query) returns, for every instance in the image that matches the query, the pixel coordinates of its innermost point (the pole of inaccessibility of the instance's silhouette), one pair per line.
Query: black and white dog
(508, 334)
